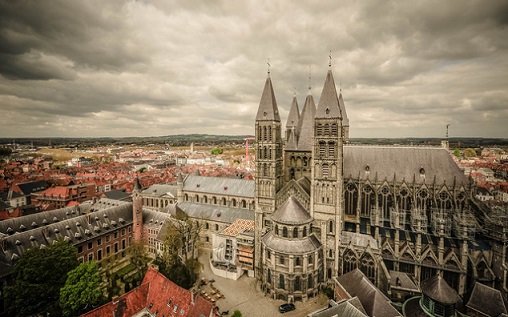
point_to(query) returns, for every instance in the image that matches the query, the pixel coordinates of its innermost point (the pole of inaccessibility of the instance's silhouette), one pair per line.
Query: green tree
(216, 151)
(38, 276)
(469, 152)
(237, 313)
(82, 290)
(140, 260)
(177, 263)
(456, 153)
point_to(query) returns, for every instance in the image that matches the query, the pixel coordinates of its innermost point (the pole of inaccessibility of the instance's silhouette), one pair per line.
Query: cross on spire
(330, 61)
(309, 77)
(268, 63)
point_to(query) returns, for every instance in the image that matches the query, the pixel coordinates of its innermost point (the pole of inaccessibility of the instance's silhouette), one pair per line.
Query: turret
(137, 212)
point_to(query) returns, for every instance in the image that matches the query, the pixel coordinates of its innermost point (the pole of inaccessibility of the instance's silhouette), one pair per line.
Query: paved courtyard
(244, 296)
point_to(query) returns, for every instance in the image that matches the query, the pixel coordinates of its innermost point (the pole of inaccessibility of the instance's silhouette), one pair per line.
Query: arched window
(325, 170)
(295, 233)
(331, 149)
(310, 281)
(330, 226)
(334, 129)
(265, 170)
(351, 199)
(298, 262)
(186, 197)
(329, 273)
(298, 284)
(276, 230)
(214, 200)
(223, 201)
(285, 232)
(304, 234)
(244, 204)
(281, 259)
(330, 254)
(367, 266)
(319, 129)
(205, 199)
(281, 282)
(264, 134)
(233, 202)
(322, 149)
(270, 133)
(269, 276)
(197, 198)
(326, 129)
(349, 261)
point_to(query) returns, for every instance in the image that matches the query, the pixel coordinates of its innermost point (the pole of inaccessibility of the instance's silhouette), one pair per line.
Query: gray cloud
(123, 68)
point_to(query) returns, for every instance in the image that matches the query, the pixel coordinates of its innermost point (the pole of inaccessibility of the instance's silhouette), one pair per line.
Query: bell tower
(137, 212)
(269, 165)
(327, 174)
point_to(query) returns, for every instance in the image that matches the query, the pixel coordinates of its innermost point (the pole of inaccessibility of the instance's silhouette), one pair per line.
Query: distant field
(63, 155)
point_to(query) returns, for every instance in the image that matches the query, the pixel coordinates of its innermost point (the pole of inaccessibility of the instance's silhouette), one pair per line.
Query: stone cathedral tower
(327, 174)
(137, 210)
(269, 173)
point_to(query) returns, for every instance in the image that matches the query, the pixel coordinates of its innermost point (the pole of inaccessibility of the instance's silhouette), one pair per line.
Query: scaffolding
(375, 217)
(464, 225)
(441, 222)
(496, 226)
(419, 221)
(397, 214)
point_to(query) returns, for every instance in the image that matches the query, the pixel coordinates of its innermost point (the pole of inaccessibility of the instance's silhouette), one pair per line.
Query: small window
(281, 260)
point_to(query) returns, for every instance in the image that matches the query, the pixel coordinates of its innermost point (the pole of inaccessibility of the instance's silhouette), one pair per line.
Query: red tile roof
(156, 294)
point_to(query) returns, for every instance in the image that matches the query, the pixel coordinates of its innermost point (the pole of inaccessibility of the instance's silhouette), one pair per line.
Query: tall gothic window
(368, 200)
(281, 282)
(349, 261)
(351, 199)
(264, 133)
(367, 267)
(386, 201)
(270, 133)
(298, 284)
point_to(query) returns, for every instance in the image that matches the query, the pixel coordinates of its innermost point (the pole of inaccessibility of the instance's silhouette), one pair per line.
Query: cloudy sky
(150, 68)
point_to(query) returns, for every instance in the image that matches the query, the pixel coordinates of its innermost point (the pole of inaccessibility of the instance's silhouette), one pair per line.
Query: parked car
(286, 307)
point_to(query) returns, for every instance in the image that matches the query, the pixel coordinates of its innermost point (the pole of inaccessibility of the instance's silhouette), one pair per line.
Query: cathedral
(324, 207)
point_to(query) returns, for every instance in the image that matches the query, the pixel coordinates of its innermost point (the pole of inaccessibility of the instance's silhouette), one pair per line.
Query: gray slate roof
(268, 110)
(438, 290)
(328, 99)
(294, 114)
(216, 185)
(161, 190)
(345, 119)
(294, 246)
(153, 217)
(373, 300)
(117, 194)
(342, 308)
(486, 300)
(305, 131)
(403, 162)
(291, 141)
(215, 213)
(76, 230)
(291, 212)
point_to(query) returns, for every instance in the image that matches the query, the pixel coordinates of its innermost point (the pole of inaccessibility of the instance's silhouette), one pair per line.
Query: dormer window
(367, 168)
(422, 171)
(327, 111)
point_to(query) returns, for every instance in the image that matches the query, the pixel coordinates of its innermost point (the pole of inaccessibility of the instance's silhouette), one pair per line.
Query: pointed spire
(137, 185)
(294, 114)
(305, 130)
(268, 110)
(343, 114)
(291, 142)
(328, 106)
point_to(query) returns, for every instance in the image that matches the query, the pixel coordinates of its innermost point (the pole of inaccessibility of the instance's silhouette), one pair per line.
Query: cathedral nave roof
(219, 186)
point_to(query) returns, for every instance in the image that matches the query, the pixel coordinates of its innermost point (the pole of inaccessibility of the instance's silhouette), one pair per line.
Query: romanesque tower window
(326, 129)
(295, 233)
(281, 260)
(334, 129)
(285, 232)
(322, 149)
(276, 230)
(264, 134)
(304, 234)
(270, 133)
(326, 170)
(319, 129)
(331, 149)
(281, 282)
(269, 276)
(330, 226)
(298, 262)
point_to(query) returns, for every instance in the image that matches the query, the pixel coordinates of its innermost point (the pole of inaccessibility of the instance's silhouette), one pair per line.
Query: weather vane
(309, 77)
(268, 63)
(330, 62)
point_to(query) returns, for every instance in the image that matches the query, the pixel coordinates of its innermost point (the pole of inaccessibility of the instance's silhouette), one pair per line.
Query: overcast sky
(151, 68)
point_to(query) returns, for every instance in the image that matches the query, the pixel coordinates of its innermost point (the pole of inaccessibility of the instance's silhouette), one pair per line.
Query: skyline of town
(85, 69)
